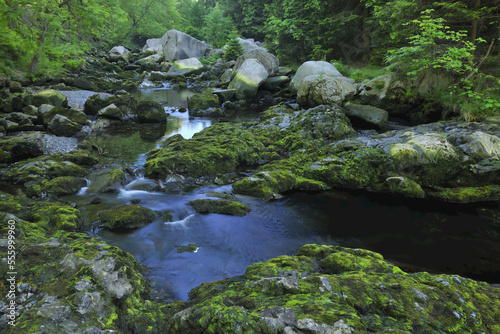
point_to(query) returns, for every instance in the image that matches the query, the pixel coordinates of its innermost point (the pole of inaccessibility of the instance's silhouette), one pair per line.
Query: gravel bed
(59, 144)
(78, 97)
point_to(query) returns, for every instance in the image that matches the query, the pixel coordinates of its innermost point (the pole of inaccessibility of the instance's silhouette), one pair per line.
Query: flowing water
(415, 234)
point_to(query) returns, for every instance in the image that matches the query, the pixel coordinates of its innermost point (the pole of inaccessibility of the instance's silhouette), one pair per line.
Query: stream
(418, 235)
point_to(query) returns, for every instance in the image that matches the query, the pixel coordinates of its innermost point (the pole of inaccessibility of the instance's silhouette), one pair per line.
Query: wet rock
(221, 206)
(126, 216)
(63, 126)
(107, 181)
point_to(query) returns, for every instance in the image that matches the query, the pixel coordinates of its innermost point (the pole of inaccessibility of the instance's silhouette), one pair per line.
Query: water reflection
(172, 97)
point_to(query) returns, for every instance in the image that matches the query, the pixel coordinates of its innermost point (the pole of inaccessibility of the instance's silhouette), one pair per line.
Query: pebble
(59, 144)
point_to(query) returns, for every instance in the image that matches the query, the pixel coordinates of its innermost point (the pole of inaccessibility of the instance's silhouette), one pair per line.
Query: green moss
(106, 181)
(126, 216)
(81, 157)
(282, 263)
(57, 216)
(466, 194)
(222, 206)
(66, 168)
(203, 101)
(371, 296)
(187, 248)
(63, 185)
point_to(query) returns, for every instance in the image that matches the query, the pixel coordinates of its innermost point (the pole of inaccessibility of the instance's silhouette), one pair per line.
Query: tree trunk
(365, 34)
(475, 22)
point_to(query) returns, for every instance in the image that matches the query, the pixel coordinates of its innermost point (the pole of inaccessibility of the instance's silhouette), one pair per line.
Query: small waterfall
(83, 191)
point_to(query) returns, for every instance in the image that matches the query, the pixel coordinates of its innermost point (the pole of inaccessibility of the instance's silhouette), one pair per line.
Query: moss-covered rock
(222, 206)
(126, 216)
(81, 157)
(63, 126)
(328, 289)
(107, 180)
(50, 96)
(466, 194)
(46, 113)
(203, 101)
(151, 112)
(403, 186)
(20, 147)
(63, 185)
(57, 216)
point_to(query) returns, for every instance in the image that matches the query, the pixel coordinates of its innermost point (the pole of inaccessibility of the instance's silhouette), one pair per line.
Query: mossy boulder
(328, 289)
(47, 112)
(203, 101)
(50, 96)
(107, 181)
(57, 216)
(269, 184)
(222, 206)
(126, 216)
(97, 102)
(81, 157)
(63, 185)
(63, 126)
(23, 146)
(151, 112)
(66, 168)
(399, 185)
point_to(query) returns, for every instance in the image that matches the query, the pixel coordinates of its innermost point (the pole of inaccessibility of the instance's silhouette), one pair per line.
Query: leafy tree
(217, 27)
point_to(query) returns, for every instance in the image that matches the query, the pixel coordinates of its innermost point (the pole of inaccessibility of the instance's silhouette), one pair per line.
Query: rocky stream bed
(62, 172)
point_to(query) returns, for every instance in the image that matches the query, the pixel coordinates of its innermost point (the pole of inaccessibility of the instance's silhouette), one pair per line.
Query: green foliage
(233, 50)
(217, 28)
(436, 47)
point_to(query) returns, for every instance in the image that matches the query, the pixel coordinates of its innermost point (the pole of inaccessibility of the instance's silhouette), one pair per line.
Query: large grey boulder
(268, 60)
(153, 44)
(185, 66)
(63, 126)
(249, 44)
(368, 114)
(178, 45)
(318, 69)
(248, 78)
(314, 91)
(319, 82)
(119, 52)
